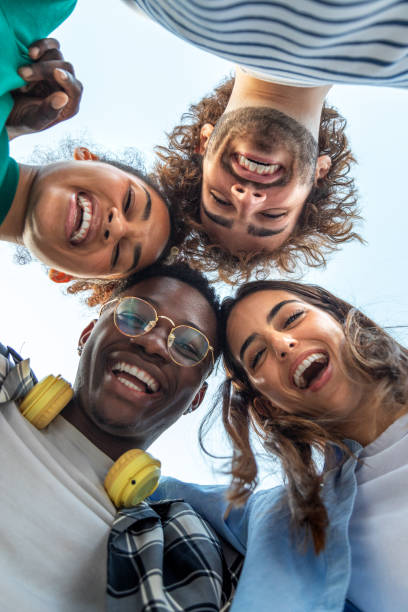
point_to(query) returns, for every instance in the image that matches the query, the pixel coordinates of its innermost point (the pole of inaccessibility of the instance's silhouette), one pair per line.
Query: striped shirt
(297, 42)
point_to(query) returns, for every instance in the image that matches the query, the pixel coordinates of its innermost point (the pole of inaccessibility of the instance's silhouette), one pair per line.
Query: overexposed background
(138, 80)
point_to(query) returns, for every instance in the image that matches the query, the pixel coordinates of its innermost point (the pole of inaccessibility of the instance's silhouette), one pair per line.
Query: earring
(188, 410)
(80, 348)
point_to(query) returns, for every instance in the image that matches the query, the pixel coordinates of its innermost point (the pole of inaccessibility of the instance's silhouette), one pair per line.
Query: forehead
(258, 304)
(177, 300)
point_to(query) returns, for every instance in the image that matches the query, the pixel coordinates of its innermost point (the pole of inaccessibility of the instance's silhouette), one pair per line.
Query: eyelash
(126, 206)
(256, 358)
(220, 202)
(292, 318)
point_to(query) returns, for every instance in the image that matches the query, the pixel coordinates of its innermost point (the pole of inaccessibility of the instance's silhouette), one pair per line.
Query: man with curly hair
(259, 171)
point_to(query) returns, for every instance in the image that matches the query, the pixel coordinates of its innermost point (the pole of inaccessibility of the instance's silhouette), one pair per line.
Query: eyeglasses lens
(187, 346)
(134, 317)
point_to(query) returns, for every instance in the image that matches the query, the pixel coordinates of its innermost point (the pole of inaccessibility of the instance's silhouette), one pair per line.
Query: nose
(248, 197)
(154, 342)
(114, 227)
(282, 344)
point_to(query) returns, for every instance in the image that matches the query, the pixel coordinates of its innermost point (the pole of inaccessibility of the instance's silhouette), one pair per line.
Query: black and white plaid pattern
(164, 557)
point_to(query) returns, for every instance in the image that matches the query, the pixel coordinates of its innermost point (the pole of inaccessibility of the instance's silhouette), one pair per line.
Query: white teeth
(141, 375)
(258, 168)
(82, 231)
(302, 367)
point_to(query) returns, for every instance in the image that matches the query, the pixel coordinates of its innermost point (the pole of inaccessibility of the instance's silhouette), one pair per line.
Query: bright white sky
(138, 80)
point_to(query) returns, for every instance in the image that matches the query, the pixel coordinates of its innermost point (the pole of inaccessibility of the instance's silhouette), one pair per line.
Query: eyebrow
(148, 206)
(217, 218)
(262, 232)
(274, 311)
(136, 256)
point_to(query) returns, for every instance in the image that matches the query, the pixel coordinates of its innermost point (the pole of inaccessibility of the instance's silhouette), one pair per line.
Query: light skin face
(245, 211)
(271, 333)
(110, 413)
(128, 229)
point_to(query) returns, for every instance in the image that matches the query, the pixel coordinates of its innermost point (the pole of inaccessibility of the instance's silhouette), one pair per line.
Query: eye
(293, 318)
(272, 215)
(219, 201)
(128, 200)
(256, 358)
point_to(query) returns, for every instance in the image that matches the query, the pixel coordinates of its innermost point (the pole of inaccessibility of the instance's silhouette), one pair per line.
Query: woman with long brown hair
(326, 391)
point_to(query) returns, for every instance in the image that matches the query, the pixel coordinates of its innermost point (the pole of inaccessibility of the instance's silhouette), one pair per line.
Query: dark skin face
(117, 417)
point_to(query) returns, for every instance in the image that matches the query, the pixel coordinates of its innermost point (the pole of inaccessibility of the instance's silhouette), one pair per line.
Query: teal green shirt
(21, 23)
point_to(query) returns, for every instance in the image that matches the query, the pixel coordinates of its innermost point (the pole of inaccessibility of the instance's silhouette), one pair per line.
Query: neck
(112, 445)
(12, 228)
(301, 103)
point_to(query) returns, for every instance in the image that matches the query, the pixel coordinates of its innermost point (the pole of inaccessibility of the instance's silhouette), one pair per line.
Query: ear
(84, 154)
(197, 399)
(205, 134)
(323, 165)
(85, 334)
(59, 277)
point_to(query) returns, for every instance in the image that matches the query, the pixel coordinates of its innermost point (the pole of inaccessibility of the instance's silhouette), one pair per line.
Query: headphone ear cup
(46, 400)
(132, 478)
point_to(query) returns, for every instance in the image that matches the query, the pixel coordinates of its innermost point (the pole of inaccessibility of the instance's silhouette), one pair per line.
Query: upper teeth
(133, 370)
(82, 231)
(302, 367)
(257, 167)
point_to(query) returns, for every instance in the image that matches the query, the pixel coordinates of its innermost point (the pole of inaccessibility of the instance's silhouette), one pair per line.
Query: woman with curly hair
(326, 391)
(259, 172)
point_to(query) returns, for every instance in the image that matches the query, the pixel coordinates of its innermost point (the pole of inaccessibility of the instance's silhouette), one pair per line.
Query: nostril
(106, 234)
(257, 195)
(110, 217)
(239, 189)
(292, 344)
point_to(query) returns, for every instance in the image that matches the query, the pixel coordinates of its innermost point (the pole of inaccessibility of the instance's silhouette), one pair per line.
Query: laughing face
(259, 167)
(129, 387)
(91, 219)
(292, 353)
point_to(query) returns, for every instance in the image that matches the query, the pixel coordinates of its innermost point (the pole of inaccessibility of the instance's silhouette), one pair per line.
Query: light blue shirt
(278, 575)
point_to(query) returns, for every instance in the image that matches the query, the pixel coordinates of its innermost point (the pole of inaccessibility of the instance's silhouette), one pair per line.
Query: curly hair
(326, 220)
(371, 356)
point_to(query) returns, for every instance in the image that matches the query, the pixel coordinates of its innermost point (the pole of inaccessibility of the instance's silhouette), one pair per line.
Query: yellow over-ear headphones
(132, 478)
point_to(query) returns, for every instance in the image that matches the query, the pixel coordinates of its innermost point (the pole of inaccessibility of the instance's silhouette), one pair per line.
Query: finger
(41, 46)
(72, 87)
(42, 71)
(40, 116)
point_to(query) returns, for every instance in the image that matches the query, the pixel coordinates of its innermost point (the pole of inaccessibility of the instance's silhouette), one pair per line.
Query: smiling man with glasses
(143, 364)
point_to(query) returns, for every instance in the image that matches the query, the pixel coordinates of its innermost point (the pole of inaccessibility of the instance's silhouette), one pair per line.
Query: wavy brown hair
(371, 356)
(326, 221)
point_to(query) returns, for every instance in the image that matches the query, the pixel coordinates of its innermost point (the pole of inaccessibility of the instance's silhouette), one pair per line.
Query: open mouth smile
(81, 221)
(134, 378)
(312, 372)
(252, 168)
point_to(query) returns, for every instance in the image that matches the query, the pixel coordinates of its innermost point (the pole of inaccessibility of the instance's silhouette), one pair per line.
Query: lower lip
(71, 216)
(322, 379)
(264, 179)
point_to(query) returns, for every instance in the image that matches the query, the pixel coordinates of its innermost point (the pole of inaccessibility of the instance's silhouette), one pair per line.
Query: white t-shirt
(55, 517)
(379, 524)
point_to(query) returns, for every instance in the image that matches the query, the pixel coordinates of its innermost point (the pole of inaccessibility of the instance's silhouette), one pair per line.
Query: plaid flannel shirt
(162, 556)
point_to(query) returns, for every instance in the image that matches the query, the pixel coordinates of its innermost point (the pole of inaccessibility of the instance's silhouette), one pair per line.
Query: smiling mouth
(259, 167)
(82, 221)
(135, 378)
(310, 370)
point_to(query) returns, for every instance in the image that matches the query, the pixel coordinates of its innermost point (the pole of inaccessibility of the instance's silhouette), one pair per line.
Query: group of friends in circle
(254, 181)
